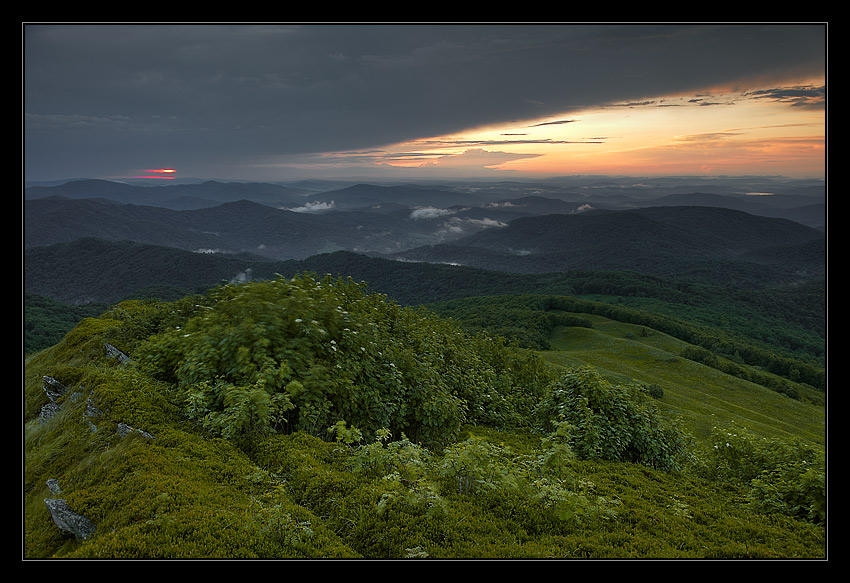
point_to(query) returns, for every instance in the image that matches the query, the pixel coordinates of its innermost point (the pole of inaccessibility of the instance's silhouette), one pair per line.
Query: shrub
(413, 480)
(782, 476)
(612, 422)
(301, 354)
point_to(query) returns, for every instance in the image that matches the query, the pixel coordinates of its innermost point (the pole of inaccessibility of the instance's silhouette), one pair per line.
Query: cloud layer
(101, 97)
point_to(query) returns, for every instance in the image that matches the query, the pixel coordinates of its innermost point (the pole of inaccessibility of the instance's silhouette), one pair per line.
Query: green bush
(301, 354)
(781, 475)
(413, 480)
(612, 422)
(795, 489)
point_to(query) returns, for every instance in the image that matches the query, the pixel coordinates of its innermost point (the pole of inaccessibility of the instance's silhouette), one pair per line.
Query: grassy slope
(170, 482)
(701, 396)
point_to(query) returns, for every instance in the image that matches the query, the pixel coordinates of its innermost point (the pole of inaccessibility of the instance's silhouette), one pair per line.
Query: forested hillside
(666, 241)
(757, 318)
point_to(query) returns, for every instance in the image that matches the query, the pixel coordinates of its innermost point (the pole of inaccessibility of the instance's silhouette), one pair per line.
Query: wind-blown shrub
(413, 479)
(303, 354)
(796, 489)
(611, 422)
(782, 476)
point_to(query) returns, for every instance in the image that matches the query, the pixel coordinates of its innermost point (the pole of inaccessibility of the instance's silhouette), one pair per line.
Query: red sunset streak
(159, 171)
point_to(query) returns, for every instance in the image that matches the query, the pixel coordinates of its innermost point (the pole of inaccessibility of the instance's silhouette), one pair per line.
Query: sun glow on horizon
(755, 132)
(154, 172)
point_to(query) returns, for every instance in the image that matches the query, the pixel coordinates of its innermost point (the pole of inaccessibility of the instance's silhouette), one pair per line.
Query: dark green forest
(780, 328)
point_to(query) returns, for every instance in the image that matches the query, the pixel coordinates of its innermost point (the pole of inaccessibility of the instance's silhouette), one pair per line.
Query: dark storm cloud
(103, 96)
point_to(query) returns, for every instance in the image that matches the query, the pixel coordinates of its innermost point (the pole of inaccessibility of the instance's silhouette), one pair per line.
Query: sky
(280, 102)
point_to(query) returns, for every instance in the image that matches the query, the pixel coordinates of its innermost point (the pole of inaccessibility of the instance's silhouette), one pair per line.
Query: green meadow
(701, 395)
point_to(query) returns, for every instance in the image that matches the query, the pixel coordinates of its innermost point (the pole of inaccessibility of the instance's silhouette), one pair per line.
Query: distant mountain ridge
(683, 243)
(802, 201)
(527, 234)
(234, 227)
(213, 193)
(787, 206)
(176, 197)
(643, 240)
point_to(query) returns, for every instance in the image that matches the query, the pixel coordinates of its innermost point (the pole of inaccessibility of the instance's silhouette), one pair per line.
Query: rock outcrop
(69, 521)
(112, 352)
(63, 516)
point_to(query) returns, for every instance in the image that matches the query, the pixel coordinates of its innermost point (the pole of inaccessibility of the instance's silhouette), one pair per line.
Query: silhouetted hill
(236, 227)
(650, 240)
(796, 208)
(94, 270)
(58, 219)
(538, 205)
(173, 196)
(243, 226)
(90, 188)
(801, 201)
(681, 242)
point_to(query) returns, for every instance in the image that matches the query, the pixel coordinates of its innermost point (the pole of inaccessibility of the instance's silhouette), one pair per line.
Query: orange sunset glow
(167, 172)
(722, 133)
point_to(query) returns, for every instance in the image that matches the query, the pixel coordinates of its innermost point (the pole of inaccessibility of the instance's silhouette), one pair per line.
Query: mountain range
(799, 200)
(651, 240)
(530, 233)
(85, 241)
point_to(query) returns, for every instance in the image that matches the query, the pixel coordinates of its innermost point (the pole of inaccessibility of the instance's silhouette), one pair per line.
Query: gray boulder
(112, 352)
(69, 521)
(54, 390)
(124, 430)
